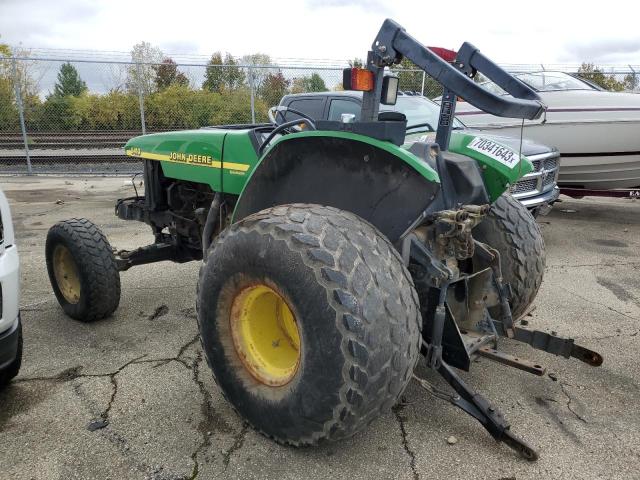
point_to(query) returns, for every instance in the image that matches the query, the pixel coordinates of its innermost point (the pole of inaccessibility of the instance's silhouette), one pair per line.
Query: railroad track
(69, 140)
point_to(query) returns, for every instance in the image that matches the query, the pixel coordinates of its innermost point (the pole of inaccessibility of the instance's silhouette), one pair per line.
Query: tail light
(359, 79)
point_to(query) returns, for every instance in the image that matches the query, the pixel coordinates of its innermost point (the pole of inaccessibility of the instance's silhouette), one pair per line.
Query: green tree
(410, 79)
(591, 72)
(8, 110)
(167, 74)
(58, 114)
(69, 82)
(311, 83)
(356, 63)
(213, 74)
(23, 77)
(222, 74)
(234, 77)
(273, 88)
(111, 111)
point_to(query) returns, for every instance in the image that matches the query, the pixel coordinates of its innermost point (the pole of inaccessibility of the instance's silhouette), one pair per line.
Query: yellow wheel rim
(265, 335)
(65, 271)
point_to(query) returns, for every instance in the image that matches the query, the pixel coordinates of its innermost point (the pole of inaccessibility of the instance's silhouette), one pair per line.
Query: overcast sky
(509, 32)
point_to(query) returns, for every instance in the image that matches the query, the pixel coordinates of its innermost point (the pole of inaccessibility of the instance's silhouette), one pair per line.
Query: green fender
(379, 181)
(500, 164)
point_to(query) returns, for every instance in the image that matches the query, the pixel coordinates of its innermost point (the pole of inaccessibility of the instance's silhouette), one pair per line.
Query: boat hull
(597, 155)
(596, 132)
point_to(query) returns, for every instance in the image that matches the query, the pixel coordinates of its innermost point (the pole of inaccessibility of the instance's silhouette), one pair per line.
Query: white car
(596, 131)
(10, 326)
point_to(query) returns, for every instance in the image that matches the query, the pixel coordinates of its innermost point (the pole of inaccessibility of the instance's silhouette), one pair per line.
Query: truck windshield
(419, 111)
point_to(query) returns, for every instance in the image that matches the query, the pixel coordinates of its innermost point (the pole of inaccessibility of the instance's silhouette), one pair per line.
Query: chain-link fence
(74, 116)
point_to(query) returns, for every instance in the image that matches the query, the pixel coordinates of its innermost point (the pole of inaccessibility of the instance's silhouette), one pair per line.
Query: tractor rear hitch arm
(479, 408)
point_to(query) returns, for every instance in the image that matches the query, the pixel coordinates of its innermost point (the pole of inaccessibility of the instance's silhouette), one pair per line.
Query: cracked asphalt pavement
(130, 397)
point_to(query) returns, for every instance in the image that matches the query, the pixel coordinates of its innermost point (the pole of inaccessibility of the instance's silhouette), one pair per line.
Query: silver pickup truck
(536, 190)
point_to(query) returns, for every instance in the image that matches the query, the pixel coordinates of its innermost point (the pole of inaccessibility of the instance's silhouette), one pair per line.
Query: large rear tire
(512, 230)
(309, 321)
(82, 270)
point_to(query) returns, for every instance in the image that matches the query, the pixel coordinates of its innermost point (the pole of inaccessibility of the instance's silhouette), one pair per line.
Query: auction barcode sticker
(501, 153)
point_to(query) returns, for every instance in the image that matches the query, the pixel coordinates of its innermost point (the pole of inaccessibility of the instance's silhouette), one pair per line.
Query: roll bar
(393, 43)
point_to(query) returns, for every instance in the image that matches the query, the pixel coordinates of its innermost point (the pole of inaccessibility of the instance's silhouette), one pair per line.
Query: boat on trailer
(597, 132)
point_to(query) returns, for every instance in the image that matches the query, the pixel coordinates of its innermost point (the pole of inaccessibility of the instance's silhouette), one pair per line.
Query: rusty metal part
(511, 361)
(587, 356)
(474, 341)
(564, 347)
(481, 210)
(450, 231)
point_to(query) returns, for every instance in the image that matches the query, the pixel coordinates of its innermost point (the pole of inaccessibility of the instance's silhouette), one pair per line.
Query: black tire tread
(95, 257)
(339, 247)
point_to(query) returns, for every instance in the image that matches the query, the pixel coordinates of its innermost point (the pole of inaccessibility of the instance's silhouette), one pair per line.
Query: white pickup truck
(10, 326)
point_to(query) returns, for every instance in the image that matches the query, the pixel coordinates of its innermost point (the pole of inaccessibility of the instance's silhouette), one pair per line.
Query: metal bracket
(492, 257)
(445, 119)
(565, 347)
(511, 361)
(156, 252)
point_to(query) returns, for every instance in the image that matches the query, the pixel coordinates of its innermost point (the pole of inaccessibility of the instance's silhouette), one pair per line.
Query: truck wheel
(10, 371)
(309, 321)
(512, 230)
(82, 270)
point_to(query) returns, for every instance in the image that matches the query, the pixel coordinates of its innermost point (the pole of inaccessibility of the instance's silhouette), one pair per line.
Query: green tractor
(335, 257)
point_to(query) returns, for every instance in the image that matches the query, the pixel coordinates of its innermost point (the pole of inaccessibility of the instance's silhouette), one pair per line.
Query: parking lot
(131, 397)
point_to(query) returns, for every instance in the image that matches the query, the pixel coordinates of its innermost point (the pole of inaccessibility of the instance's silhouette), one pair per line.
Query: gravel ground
(143, 371)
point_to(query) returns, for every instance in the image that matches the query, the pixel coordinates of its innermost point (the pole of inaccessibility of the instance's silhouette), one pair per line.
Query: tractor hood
(221, 158)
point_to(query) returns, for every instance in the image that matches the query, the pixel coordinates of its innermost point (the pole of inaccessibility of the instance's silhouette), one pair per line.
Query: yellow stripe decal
(185, 159)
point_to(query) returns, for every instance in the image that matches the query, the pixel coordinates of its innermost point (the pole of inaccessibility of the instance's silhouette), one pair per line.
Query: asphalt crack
(211, 420)
(569, 400)
(205, 409)
(397, 410)
(178, 358)
(160, 311)
(114, 384)
(237, 445)
(74, 372)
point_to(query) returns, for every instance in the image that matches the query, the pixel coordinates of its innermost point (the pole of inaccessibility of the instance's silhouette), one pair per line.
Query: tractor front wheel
(309, 321)
(82, 270)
